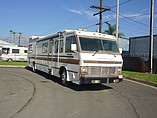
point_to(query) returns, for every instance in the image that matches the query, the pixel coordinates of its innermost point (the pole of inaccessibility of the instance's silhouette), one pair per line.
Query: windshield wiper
(105, 50)
(111, 52)
(95, 52)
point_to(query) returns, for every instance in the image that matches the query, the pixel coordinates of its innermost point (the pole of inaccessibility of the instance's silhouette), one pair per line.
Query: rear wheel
(34, 70)
(10, 60)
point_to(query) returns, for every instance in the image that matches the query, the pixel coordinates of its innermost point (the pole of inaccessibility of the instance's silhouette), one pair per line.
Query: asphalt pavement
(25, 94)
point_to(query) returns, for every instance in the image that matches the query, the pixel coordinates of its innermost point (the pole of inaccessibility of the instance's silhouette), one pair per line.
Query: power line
(121, 3)
(132, 19)
(123, 26)
(124, 17)
(89, 26)
(140, 15)
(133, 30)
(108, 2)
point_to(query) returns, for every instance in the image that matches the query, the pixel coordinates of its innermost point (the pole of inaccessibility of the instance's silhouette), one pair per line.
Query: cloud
(86, 12)
(75, 11)
(145, 10)
(137, 16)
(90, 14)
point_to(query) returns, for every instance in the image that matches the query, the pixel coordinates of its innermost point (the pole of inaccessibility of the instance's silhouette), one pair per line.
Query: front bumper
(98, 80)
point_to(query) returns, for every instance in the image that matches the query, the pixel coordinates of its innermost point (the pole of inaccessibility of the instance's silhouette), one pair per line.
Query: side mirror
(73, 47)
(120, 50)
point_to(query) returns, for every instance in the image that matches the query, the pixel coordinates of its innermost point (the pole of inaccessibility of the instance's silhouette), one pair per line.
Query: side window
(15, 50)
(70, 40)
(30, 48)
(25, 51)
(56, 46)
(59, 45)
(51, 46)
(5, 50)
(44, 47)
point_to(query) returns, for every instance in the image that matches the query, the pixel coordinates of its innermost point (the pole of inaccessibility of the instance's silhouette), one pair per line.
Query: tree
(11, 31)
(112, 31)
(14, 36)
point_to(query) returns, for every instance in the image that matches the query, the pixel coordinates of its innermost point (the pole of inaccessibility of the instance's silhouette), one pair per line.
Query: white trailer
(77, 56)
(13, 53)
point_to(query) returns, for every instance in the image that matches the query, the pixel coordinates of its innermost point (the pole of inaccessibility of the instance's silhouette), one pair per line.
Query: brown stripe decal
(62, 60)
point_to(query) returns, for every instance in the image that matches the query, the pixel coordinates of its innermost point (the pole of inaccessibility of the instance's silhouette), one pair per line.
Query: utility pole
(19, 38)
(101, 10)
(117, 21)
(151, 45)
(14, 33)
(11, 31)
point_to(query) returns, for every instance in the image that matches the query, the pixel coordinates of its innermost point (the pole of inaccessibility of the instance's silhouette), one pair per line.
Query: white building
(124, 44)
(3, 43)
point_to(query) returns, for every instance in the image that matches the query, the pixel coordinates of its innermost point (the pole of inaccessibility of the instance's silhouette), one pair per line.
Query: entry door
(50, 54)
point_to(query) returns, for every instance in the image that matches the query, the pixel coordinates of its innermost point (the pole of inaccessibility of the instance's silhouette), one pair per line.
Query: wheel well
(9, 59)
(33, 63)
(62, 68)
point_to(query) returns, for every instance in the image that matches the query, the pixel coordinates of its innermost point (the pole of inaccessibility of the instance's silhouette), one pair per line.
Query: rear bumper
(98, 80)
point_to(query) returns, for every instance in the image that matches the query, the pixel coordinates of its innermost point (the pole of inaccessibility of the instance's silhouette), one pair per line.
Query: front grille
(103, 71)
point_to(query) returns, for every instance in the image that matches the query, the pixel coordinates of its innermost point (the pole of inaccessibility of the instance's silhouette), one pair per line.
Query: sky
(44, 17)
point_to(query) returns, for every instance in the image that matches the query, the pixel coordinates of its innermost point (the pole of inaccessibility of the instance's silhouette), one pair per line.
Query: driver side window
(70, 40)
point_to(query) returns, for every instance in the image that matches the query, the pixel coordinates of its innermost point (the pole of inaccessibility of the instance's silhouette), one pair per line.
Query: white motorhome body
(13, 53)
(77, 56)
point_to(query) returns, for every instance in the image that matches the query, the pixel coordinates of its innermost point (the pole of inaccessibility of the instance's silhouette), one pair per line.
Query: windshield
(93, 44)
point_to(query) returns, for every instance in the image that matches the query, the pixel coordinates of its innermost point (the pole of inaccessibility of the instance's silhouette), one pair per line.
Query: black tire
(33, 68)
(63, 77)
(10, 60)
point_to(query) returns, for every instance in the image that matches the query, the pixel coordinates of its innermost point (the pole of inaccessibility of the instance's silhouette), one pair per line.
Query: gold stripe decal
(102, 62)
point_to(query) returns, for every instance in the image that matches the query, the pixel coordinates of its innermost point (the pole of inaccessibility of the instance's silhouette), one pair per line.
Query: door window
(70, 40)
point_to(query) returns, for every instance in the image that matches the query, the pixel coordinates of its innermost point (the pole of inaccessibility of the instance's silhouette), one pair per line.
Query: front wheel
(63, 77)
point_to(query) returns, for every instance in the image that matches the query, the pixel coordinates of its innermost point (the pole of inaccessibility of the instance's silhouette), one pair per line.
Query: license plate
(95, 81)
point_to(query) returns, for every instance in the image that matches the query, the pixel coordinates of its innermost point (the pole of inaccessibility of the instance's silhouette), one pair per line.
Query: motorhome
(77, 56)
(13, 53)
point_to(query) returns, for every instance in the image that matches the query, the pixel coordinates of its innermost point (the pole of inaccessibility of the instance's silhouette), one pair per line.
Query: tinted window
(15, 50)
(5, 50)
(30, 48)
(92, 44)
(59, 45)
(25, 51)
(44, 47)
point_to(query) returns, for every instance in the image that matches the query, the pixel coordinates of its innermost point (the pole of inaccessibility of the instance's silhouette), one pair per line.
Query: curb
(11, 66)
(142, 81)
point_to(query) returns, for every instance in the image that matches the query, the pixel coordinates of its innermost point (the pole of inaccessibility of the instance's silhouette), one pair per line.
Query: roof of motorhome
(97, 34)
(15, 47)
(78, 32)
(35, 37)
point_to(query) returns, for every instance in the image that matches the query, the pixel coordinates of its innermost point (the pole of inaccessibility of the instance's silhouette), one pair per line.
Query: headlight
(119, 70)
(84, 70)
